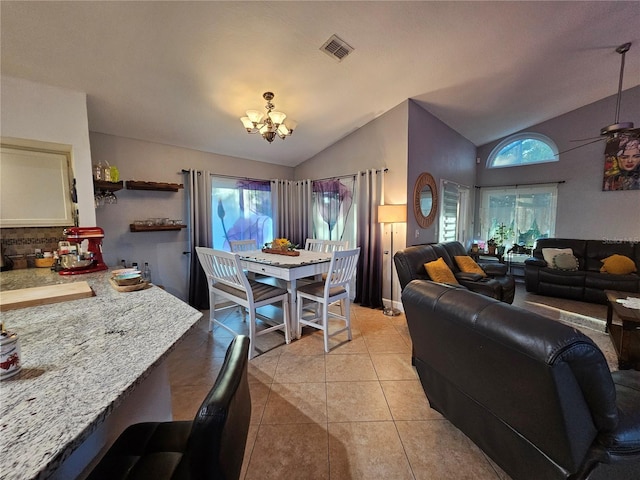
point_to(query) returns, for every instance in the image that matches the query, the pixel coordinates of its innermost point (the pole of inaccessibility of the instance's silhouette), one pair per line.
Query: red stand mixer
(87, 260)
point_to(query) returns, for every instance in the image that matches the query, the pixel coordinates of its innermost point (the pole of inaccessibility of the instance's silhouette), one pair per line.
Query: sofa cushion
(467, 264)
(565, 261)
(598, 250)
(549, 253)
(618, 265)
(440, 272)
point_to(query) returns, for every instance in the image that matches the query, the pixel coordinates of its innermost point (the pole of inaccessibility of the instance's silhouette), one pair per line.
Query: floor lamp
(391, 214)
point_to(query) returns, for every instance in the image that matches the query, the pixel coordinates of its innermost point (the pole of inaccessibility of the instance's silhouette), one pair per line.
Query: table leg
(293, 315)
(609, 316)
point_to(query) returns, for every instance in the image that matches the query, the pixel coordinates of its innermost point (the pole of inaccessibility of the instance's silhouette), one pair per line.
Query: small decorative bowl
(128, 278)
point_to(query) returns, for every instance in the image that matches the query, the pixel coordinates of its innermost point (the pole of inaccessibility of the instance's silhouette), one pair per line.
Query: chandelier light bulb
(255, 116)
(277, 117)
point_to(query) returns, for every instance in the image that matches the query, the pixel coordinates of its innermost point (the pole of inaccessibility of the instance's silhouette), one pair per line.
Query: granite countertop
(80, 359)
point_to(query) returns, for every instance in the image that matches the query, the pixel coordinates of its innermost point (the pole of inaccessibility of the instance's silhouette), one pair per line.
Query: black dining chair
(210, 447)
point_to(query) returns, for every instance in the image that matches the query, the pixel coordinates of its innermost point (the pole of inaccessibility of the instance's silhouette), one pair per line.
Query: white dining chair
(336, 287)
(314, 245)
(243, 245)
(226, 279)
(330, 246)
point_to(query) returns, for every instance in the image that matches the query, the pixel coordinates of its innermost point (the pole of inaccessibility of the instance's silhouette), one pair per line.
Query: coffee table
(626, 336)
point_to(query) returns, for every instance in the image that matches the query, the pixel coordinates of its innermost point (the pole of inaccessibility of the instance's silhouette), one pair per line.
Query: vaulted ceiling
(182, 73)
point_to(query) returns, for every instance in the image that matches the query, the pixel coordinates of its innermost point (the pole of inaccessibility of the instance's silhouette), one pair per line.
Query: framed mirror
(425, 200)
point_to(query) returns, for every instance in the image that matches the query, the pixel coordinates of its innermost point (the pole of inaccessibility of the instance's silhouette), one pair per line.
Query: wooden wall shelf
(158, 186)
(154, 228)
(107, 186)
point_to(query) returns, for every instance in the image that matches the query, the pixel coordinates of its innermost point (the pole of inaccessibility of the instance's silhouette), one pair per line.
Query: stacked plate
(127, 276)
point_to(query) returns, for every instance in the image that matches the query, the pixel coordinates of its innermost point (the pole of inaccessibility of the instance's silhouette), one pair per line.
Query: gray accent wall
(584, 210)
(437, 149)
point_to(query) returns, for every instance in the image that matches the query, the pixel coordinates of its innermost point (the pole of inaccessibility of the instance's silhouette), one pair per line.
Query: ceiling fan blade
(584, 139)
(580, 146)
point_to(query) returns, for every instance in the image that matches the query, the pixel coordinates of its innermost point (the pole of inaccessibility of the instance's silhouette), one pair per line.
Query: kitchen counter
(81, 359)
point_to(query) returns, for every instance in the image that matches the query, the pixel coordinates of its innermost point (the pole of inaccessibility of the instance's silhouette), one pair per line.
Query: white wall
(40, 112)
(153, 162)
(584, 210)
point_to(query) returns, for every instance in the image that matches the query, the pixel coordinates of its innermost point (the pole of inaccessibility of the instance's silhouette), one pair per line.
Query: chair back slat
(243, 245)
(342, 269)
(335, 245)
(314, 245)
(327, 246)
(223, 267)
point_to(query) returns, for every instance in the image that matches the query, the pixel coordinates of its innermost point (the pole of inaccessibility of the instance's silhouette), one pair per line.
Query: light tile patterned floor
(358, 412)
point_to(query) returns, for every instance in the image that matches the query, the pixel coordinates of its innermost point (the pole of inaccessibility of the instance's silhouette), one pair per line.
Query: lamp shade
(392, 213)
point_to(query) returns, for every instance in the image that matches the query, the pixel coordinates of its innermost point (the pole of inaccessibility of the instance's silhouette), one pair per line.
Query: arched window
(523, 149)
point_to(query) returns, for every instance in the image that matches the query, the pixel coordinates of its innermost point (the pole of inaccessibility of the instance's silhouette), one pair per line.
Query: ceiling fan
(616, 129)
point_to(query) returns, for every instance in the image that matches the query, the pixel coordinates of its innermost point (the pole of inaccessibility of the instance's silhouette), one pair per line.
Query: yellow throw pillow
(440, 272)
(618, 265)
(467, 264)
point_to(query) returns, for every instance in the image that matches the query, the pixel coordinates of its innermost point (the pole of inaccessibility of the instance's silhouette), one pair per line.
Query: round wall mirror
(425, 200)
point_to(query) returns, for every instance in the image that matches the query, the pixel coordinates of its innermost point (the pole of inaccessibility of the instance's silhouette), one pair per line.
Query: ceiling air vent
(336, 48)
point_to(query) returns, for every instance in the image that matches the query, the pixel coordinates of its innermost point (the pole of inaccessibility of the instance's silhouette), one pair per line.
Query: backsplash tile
(24, 241)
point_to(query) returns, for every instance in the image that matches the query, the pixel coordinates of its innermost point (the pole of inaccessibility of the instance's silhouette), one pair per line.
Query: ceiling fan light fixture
(273, 123)
(616, 127)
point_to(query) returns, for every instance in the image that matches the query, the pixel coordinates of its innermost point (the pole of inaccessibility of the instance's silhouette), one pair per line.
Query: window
(523, 149)
(454, 206)
(333, 209)
(523, 214)
(241, 210)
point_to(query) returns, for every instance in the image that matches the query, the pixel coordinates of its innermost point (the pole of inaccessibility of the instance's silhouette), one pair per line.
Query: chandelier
(273, 123)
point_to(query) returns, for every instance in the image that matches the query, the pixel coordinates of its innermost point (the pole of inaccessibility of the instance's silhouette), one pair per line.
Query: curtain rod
(232, 176)
(384, 170)
(522, 184)
(266, 180)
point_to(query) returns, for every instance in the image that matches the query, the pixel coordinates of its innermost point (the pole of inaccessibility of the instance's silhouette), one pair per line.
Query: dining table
(289, 268)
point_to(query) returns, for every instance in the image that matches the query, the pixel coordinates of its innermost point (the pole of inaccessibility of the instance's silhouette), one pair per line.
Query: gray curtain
(369, 191)
(200, 234)
(291, 209)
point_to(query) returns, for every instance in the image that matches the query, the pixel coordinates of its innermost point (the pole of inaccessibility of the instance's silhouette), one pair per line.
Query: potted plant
(502, 234)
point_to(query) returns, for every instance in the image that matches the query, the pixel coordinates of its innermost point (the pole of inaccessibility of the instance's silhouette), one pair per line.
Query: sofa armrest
(495, 269)
(466, 276)
(485, 286)
(535, 262)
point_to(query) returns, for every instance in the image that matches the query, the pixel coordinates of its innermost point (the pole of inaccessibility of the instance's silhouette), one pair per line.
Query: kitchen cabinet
(46, 175)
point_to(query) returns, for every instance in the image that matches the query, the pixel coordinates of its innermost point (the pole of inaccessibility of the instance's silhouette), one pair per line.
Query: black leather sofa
(535, 395)
(410, 262)
(587, 283)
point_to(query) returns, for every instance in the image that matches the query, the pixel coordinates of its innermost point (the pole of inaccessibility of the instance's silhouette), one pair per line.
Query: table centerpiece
(281, 246)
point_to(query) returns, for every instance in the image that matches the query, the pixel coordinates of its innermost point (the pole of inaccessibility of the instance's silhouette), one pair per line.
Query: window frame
(519, 137)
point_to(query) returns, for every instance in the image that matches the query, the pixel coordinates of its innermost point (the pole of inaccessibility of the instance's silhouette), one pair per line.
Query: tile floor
(358, 412)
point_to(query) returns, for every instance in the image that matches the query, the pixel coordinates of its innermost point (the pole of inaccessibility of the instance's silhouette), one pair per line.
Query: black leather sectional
(410, 262)
(535, 395)
(587, 283)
